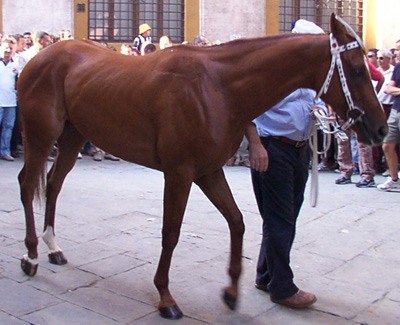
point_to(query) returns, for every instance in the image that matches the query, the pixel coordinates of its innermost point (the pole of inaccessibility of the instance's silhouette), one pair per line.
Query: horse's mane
(239, 44)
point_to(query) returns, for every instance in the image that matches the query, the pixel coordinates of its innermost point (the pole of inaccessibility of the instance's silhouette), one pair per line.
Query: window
(319, 11)
(119, 20)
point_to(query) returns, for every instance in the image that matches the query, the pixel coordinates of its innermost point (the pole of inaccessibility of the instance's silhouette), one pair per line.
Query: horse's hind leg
(176, 192)
(69, 144)
(216, 188)
(31, 180)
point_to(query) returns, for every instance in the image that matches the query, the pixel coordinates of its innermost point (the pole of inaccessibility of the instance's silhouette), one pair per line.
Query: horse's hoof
(28, 267)
(171, 312)
(229, 300)
(57, 258)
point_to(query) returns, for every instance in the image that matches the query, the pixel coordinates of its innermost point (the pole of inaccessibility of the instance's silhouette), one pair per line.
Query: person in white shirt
(8, 95)
(40, 41)
(384, 58)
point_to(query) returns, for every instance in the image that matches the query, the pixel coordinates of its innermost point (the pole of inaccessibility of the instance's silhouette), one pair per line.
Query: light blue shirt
(290, 118)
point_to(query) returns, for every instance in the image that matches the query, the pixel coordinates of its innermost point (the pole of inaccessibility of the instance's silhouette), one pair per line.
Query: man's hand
(258, 155)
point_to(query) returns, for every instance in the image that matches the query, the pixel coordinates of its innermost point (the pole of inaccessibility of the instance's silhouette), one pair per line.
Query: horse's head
(350, 91)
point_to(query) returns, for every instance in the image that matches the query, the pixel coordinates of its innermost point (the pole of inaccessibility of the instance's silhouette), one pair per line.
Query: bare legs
(391, 159)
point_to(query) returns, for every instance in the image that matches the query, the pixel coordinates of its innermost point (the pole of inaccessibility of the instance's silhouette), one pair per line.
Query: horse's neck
(265, 73)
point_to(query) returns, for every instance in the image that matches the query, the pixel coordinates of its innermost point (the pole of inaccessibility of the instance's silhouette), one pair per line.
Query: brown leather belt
(294, 143)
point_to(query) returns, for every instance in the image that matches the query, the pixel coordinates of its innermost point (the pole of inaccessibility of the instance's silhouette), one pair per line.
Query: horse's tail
(40, 190)
(40, 183)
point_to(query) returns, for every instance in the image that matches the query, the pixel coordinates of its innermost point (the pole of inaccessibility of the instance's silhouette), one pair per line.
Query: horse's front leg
(216, 188)
(176, 192)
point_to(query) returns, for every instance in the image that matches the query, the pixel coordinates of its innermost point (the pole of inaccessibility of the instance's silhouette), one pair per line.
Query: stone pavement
(108, 224)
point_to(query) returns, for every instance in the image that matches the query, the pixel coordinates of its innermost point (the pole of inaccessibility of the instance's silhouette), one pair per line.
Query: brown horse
(182, 111)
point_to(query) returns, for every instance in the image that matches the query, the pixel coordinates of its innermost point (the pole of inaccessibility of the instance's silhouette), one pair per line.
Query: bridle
(354, 113)
(327, 124)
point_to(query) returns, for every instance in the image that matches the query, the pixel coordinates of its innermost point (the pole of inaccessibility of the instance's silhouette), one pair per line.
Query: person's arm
(258, 156)
(380, 83)
(391, 89)
(376, 75)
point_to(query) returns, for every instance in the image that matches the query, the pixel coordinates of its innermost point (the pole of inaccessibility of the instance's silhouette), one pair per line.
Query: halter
(354, 114)
(324, 122)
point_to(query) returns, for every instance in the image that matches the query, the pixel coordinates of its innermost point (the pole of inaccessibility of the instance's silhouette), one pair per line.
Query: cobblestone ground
(109, 224)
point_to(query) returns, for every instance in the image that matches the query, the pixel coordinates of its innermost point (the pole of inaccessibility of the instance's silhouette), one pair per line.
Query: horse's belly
(130, 139)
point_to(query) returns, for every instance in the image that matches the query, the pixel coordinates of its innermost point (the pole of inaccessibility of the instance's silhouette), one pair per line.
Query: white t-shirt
(8, 78)
(26, 56)
(386, 98)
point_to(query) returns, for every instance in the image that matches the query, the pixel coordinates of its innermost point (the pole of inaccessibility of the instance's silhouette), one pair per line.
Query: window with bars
(119, 20)
(319, 11)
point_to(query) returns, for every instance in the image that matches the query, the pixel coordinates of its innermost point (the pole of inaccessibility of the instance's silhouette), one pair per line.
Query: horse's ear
(336, 27)
(340, 28)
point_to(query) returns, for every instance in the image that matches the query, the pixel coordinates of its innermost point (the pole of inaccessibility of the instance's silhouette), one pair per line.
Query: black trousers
(280, 193)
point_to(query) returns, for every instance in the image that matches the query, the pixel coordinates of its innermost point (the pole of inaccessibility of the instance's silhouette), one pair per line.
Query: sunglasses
(381, 58)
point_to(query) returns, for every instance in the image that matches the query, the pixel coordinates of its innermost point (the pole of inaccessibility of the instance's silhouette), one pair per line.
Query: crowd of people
(277, 155)
(16, 51)
(354, 157)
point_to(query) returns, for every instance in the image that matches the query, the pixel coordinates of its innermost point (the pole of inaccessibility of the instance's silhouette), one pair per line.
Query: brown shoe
(262, 287)
(301, 299)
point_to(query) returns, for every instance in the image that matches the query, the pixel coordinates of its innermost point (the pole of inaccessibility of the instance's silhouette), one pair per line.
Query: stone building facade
(217, 20)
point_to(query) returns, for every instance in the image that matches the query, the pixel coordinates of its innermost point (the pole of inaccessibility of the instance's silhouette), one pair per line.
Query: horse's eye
(358, 72)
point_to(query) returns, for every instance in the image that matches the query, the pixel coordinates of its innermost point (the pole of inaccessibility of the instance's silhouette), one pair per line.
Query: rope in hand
(329, 126)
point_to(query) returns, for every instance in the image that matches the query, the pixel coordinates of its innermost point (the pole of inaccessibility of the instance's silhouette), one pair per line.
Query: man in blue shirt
(279, 158)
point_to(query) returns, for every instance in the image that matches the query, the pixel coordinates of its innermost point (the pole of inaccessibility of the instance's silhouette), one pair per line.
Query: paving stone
(112, 265)
(88, 252)
(282, 315)
(383, 312)
(67, 314)
(340, 298)
(11, 320)
(154, 318)
(136, 284)
(369, 272)
(205, 302)
(394, 294)
(18, 300)
(140, 245)
(109, 222)
(61, 282)
(107, 303)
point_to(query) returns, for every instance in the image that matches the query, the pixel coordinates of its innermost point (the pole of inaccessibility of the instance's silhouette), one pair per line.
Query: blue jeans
(279, 193)
(7, 120)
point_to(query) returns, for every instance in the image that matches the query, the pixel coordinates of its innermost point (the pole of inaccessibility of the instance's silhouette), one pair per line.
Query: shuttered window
(319, 11)
(119, 20)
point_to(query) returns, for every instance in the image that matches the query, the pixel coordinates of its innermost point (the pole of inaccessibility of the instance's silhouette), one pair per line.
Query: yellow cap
(144, 28)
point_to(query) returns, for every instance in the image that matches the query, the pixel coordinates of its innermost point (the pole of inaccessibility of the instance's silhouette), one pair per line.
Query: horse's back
(147, 110)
